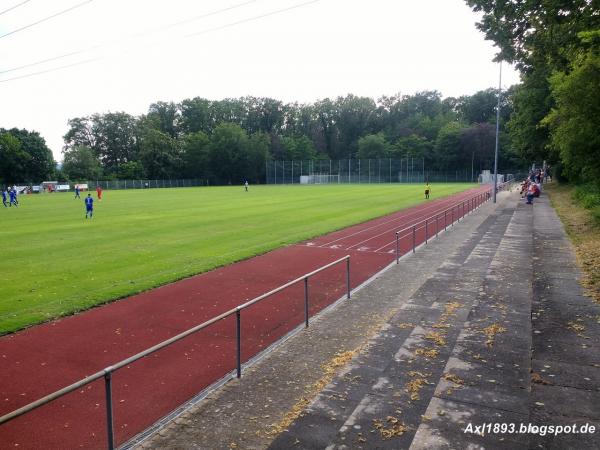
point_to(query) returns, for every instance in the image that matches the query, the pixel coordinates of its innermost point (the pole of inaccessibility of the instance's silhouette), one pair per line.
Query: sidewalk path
(487, 324)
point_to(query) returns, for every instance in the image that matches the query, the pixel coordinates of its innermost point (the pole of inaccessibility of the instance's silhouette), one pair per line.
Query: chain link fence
(144, 184)
(62, 186)
(408, 170)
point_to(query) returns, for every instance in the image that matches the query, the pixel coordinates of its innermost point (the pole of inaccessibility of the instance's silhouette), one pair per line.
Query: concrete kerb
(147, 434)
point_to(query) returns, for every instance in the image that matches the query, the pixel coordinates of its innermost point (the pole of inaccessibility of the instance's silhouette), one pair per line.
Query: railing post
(238, 337)
(426, 231)
(437, 228)
(452, 216)
(414, 237)
(397, 249)
(445, 220)
(109, 409)
(306, 302)
(347, 277)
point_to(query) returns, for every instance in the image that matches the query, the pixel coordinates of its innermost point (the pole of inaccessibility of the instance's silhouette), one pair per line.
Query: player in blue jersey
(4, 194)
(13, 197)
(77, 191)
(89, 206)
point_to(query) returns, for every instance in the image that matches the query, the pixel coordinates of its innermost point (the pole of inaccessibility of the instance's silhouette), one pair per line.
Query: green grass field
(55, 262)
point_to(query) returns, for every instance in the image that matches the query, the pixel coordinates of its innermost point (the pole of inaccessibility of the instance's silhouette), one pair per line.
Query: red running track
(48, 357)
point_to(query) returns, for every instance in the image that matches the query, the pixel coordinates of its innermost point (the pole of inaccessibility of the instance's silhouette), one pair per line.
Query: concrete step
(386, 389)
(487, 377)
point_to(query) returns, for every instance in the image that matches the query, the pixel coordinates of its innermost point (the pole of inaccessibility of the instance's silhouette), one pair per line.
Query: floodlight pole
(497, 134)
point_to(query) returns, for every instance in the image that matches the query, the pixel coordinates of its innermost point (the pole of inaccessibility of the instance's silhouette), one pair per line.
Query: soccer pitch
(55, 262)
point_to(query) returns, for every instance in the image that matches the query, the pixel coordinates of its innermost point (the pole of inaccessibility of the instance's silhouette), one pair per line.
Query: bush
(588, 196)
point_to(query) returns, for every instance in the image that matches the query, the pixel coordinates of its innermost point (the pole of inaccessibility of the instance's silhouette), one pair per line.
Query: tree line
(229, 141)
(24, 156)
(556, 46)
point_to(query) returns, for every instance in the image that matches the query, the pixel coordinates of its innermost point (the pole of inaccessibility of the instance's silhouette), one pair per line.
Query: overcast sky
(131, 53)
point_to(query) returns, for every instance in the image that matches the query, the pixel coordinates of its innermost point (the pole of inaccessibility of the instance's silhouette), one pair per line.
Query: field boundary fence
(441, 220)
(61, 186)
(364, 171)
(146, 184)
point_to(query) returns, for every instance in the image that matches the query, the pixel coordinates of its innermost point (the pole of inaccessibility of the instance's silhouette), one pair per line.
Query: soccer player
(427, 191)
(89, 206)
(99, 193)
(13, 197)
(77, 191)
(246, 185)
(4, 194)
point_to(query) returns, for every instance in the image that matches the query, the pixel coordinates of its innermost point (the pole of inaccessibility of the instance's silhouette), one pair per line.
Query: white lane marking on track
(441, 202)
(407, 225)
(419, 219)
(403, 216)
(364, 249)
(414, 220)
(409, 233)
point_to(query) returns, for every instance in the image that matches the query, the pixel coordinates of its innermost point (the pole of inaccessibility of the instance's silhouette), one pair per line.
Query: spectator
(530, 193)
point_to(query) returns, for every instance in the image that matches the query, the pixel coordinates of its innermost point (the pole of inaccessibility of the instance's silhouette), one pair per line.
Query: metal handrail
(106, 373)
(423, 223)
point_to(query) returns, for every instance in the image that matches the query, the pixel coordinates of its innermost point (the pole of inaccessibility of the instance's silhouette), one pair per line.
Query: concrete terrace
(485, 325)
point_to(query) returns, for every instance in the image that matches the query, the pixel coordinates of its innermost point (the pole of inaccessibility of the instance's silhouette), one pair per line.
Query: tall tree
(196, 155)
(449, 148)
(479, 107)
(298, 148)
(541, 38)
(351, 118)
(40, 162)
(13, 160)
(165, 117)
(533, 33)
(532, 102)
(228, 147)
(196, 115)
(159, 155)
(478, 145)
(373, 146)
(80, 133)
(116, 139)
(412, 146)
(575, 120)
(256, 155)
(80, 163)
